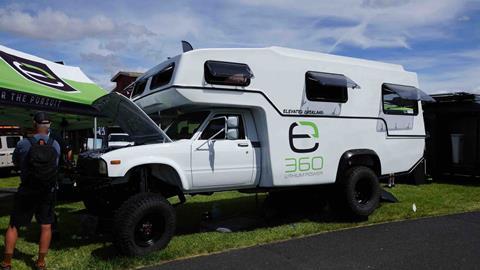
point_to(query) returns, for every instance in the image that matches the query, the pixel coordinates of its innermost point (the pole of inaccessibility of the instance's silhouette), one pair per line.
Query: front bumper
(88, 183)
(87, 176)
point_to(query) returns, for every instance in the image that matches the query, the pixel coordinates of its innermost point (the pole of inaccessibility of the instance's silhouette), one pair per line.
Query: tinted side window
(326, 87)
(139, 88)
(401, 100)
(12, 142)
(214, 127)
(162, 78)
(227, 73)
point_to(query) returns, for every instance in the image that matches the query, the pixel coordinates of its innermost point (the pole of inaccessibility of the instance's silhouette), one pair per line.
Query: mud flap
(386, 196)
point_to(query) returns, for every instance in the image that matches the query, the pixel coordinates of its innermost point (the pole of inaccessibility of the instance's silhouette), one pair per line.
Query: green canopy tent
(29, 83)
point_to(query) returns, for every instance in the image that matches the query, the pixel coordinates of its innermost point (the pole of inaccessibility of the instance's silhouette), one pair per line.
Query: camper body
(260, 119)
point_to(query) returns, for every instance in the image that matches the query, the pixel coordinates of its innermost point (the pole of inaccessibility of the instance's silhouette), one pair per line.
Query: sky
(438, 39)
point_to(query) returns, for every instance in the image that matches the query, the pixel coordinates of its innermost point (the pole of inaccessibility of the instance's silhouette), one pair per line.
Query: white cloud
(378, 23)
(49, 24)
(463, 79)
(445, 71)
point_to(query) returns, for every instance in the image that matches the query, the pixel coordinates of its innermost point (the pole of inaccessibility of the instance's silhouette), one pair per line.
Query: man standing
(37, 158)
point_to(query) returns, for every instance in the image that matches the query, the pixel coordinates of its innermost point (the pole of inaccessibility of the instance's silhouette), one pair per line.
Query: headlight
(102, 167)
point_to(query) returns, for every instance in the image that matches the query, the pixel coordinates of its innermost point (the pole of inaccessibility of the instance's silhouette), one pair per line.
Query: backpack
(42, 164)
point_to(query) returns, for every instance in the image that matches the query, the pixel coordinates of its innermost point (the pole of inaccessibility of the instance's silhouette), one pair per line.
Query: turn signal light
(115, 162)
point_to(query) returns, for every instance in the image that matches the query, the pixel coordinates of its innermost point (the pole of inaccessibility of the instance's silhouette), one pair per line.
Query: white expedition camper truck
(251, 119)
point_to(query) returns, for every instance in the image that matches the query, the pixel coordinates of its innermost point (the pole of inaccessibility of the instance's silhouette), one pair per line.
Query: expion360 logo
(36, 72)
(305, 142)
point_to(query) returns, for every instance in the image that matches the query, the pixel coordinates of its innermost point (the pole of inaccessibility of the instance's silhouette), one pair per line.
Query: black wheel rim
(363, 191)
(149, 230)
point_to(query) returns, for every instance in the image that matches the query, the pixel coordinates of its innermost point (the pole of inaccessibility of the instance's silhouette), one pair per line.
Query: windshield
(119, 138)
(130, 118)
(185, 125)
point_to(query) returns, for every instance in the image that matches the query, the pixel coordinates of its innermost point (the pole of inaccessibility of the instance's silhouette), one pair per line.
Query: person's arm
(57, 148)
(19, 151)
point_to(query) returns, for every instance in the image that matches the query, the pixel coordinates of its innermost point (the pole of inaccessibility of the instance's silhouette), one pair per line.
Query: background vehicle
(256, 120)
(7, 146)
(119, 140)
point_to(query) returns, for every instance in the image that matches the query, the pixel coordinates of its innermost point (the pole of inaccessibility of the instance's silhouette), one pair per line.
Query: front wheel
(360, 191)
(144, 223)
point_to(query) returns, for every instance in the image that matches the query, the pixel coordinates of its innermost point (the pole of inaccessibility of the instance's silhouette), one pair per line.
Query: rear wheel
(360, 191)
(144, 223)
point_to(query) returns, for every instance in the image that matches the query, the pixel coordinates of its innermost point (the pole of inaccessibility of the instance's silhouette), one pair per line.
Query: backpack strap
(32, 141)
(50, 141)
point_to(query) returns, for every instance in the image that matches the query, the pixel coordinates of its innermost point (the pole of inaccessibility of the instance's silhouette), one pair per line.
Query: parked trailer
(252, 119)
(453, 142)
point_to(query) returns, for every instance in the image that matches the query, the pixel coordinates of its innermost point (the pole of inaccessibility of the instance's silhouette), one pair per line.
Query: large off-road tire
(359, 191)
(144, 223)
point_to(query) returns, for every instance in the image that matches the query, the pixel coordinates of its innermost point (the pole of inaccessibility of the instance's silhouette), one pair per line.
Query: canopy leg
(94, 133)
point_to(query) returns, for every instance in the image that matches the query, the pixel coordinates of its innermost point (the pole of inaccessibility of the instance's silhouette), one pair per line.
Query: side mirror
(232, 128)
(232, 134)
(233, 122)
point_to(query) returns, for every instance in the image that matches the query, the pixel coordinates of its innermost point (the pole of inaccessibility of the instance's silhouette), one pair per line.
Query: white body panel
(222, 163)
(6, 151)
(276, 100)
(113, 143)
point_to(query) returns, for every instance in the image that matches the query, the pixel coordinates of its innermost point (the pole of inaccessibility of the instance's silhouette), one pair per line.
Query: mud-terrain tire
(359, 191)
(144, 223)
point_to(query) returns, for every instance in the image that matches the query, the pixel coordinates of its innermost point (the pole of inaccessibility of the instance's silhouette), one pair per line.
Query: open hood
(133, 120)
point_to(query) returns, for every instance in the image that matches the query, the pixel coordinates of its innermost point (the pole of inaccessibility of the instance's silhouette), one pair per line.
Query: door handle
(243, 144)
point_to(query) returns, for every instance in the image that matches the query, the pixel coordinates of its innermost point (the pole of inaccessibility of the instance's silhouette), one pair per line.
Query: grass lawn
(9, 182)
(69, 252)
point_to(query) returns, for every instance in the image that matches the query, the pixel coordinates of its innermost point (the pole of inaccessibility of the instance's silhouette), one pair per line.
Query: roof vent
(186, 46)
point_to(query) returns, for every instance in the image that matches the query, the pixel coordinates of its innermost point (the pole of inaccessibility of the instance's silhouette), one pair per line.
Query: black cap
(41, 118)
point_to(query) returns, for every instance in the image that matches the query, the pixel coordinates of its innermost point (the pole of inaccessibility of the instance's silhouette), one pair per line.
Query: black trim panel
(256, 144)
(359, 157)
(279, 112)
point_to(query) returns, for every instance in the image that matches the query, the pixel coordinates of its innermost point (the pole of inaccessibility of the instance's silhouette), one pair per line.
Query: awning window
(328, 87)
(408, 92)
(227, 73)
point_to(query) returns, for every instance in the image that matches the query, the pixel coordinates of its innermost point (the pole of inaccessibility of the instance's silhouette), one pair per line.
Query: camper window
(163, 77)
(227, 73)
(399, 99)
(139, 88)
(326, 87)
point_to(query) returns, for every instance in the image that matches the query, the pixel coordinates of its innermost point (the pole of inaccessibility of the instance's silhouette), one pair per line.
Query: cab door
(222, 155)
